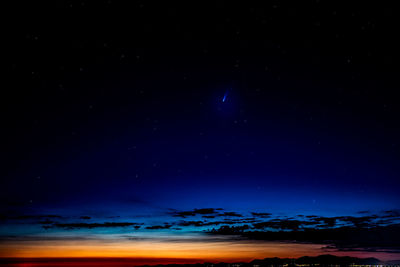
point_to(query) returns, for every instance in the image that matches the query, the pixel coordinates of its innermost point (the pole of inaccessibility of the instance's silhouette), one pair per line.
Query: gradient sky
(278, 118)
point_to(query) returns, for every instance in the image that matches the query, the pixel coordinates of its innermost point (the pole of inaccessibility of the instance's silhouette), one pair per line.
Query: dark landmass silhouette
(322, 260)
(318, 261)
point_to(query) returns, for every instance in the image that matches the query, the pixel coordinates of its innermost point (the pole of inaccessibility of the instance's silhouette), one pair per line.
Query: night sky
(203, 131)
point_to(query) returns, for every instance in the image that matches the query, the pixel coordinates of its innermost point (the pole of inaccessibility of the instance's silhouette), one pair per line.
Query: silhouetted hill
(322, 260)
(330, 259)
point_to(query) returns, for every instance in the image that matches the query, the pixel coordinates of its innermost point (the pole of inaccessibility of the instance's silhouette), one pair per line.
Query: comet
(225, 96)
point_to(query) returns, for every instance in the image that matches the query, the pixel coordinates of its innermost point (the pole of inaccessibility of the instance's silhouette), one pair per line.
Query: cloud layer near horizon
(359, 232)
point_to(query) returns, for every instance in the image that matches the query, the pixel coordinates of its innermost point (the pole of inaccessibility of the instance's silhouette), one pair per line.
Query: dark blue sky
(260, 148)
(288, 110)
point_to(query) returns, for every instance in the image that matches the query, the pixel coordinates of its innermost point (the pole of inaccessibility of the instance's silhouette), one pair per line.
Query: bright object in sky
(225, 96)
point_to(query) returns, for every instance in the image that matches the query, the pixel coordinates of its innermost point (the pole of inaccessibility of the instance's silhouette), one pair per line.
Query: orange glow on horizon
(206, 251)
(170, 249)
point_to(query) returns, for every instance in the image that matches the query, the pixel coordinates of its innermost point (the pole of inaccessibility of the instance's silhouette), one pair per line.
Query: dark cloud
(327, 221)
(341, 238)
(157, 227)
(203, 211)
(230, 230)
(136, 238)
(231, 214)
(359, 222)
(392, 213)
(365, 233)
(46, 222)
(38, 218)
(261, 214)
(184, 214)
(191, 223)
(364, 221)
(206, 212)
(263, 222)
(250, 220)
(93, 225)
(283, 224)
(206, 223)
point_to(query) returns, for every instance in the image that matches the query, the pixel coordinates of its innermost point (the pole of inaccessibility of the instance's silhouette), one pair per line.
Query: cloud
(231, 214)
(261, 214)
(203, 211)
(250, 220)
(93, 225)
(47, 221)
(392, 213)
(283, 224)
(364, 221)
(329, 222)
(230, 230)
(206, 223)
(157, 227)
(191, 223)
(372, 232)
(207, 213)
(379, 238)
(37, 218)
(338, 233)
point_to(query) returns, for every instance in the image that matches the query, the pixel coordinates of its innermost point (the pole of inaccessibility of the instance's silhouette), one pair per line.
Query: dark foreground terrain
(322, 260)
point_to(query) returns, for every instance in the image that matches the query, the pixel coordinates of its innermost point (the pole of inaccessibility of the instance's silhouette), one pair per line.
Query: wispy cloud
(365, 231)
(94, 225)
